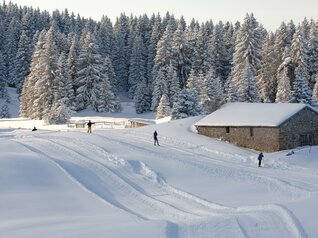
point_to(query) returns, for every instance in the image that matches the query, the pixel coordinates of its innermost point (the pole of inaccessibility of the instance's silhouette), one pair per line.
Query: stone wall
(304, 122)
(264, 139)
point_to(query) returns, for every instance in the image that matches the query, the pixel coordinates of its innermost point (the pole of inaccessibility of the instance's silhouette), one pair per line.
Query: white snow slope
(116, 183)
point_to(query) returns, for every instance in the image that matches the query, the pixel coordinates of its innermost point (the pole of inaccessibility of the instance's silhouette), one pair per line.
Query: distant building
(138, 122)
(264, 127)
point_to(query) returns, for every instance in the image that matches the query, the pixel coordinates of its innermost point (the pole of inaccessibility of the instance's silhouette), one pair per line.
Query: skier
(34, 129)
(155, 137)
(89, 126)
(260, 157)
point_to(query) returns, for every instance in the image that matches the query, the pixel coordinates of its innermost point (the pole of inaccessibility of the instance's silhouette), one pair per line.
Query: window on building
(227, 129)
(251, 131)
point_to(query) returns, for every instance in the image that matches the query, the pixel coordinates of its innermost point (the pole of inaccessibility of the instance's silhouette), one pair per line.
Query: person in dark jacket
(89, 126)
(260, 157)
(34, 129)
(155, 137)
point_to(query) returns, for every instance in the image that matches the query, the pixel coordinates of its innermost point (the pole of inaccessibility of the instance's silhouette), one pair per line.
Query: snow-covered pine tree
(246, 60)
(299, 56)
(229, 45)
(313, 53)
(164, 52)
(4, 112)
(106, 100)
(142, 98)
(29, 90)
(266, 78)
(283, 88)
(315, 93)
(72, 68)
(247, 88)
(137, 67)
(173, 85)
(212, 92)
(109, 71)
(230, 91)
(163, 109)
(198, 44)
(44, 86)
(160, 87)
(195, 83)
(3, 78)
(59, 113)
(301, 92)
(155, 36)
(121, 52)
(187, 105)
(180, 58)
(282, 41)
(22, 61)
(11, 46)
(62, 83)
(93, 86)
(217, 52)
(105, 37)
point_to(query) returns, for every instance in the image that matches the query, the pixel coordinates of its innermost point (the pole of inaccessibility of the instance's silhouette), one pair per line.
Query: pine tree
(11, 46)
(121, 52)
(247, 88)
(72, 69)
(266, 79)
(142, 98)
(137, 68)
(155, 36)
(164, 52)
(63, 84)
(163, 109)
(180, 57)
(4, 113)
(212, 95)
(59, 114)
(246, 59)
(198, 44)
(230, 91)
(44, 87)
(187, 105)
(3, 81)
(160, 87)
(301, 91)
(30, 90)
(313, 53)
(109, 71)
(173, 85)
(315, 93)
(22, 61)
(217, 52)
(299, 55)
(283, 88)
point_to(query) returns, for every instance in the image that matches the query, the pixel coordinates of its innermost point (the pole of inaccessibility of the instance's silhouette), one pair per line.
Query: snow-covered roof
(143, 121)
(252, 114)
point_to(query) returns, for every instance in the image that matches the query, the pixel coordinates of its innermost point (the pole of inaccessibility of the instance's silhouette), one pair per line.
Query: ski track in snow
(220, 168)
(133, 187)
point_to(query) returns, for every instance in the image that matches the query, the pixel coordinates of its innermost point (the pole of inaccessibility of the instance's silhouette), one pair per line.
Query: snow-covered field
(59, 182)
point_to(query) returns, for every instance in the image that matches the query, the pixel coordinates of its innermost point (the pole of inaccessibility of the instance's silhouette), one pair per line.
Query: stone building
(266, 127)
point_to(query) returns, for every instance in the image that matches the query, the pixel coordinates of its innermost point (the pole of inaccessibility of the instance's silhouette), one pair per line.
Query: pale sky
(270, 13)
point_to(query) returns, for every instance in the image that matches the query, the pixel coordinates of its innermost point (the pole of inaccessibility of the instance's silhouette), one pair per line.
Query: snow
(252, 114)
(64, 182)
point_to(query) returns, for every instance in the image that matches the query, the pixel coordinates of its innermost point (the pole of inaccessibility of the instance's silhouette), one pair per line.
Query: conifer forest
(61, 62)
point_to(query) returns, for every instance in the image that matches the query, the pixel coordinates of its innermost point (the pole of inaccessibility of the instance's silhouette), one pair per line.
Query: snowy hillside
(116, 183)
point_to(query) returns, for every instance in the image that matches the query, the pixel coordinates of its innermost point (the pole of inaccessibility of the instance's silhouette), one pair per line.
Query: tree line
(60, 62)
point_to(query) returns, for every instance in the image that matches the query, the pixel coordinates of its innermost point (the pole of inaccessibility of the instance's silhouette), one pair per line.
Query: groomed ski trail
(133, 187)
